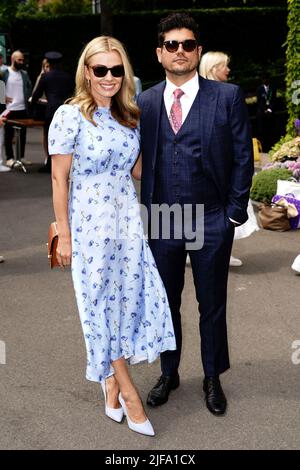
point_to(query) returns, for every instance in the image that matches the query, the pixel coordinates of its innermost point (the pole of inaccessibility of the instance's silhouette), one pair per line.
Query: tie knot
(178, 93)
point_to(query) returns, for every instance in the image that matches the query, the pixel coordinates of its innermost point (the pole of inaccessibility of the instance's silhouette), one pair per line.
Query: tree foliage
(61, 7)
(8, 9)
(151, 5)
(11, 9)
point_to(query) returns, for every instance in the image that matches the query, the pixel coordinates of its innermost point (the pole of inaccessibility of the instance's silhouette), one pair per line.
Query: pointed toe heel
(116, 414)
(145, 428)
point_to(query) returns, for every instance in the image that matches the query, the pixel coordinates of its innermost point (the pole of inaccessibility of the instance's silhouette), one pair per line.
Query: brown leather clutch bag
(52, 245)
(274, 217)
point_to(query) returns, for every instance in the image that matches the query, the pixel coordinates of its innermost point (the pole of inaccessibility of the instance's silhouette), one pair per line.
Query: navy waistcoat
(179, 172)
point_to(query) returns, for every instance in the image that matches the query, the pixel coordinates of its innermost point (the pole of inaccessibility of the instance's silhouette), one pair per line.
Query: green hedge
(150, 5)
(65, 33)
(253, 37)
(264, 184)
(293, 64)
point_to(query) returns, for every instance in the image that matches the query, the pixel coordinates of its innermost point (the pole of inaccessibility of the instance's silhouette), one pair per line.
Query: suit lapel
(153, 117)
(208, 105)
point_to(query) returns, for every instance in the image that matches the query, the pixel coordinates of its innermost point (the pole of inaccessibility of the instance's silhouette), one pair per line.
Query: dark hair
(176, 21)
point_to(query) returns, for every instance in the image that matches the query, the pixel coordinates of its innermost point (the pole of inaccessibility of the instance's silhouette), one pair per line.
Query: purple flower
(296, 173)
(297, 124)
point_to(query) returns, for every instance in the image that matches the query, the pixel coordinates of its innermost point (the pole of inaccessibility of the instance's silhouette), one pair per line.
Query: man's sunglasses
(101, 71)
(188, 45)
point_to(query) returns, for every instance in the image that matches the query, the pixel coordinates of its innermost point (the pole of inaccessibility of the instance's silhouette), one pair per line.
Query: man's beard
(18, 66)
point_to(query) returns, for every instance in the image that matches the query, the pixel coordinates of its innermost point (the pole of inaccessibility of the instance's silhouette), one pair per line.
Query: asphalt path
(45, 400)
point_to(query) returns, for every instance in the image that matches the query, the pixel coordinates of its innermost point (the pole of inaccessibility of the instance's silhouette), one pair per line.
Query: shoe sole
(219, 415)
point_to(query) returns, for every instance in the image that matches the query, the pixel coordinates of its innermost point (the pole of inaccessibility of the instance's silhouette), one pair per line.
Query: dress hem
(132, 360)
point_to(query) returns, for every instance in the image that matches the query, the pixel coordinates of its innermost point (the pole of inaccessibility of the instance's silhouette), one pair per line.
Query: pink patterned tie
(176, 111)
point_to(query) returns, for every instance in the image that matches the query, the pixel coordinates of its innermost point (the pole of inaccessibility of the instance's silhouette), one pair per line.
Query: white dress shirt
(190, 90)
(14, 90)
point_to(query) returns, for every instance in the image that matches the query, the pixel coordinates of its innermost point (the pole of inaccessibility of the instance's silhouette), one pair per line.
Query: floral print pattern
(123, 306)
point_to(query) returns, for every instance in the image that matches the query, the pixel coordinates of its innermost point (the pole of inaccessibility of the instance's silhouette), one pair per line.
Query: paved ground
(45, 401)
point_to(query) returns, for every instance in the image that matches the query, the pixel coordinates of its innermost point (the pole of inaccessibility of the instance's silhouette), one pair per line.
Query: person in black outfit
(57, 85)
(266, 98)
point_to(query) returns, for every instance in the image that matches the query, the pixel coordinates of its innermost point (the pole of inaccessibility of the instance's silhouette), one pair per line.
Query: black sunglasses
(101, 71)
(188, 45)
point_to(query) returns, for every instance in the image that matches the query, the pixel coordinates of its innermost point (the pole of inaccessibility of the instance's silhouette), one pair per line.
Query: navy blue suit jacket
(226, 144)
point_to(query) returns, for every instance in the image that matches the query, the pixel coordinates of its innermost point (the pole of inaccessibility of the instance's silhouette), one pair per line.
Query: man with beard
(196, 150)
(18, 91)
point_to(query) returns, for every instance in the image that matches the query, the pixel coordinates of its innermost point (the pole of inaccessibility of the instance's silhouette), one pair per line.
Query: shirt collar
(189, 88)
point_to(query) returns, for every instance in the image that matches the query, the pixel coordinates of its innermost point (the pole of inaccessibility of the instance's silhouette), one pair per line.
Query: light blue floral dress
(123, 306)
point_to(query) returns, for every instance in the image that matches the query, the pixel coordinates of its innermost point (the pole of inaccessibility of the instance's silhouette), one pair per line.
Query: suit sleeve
(243, 166)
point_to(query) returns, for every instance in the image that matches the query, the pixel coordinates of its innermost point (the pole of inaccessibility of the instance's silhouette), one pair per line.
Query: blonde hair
(210, 61)
(44, 65)
(123, 107)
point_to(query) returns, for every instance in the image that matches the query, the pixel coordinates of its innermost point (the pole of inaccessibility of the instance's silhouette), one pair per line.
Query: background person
(56, 85)
(138, 87)
(18, 91)
(44, 69)
(2, 65)
(266, 102)
(39, 110)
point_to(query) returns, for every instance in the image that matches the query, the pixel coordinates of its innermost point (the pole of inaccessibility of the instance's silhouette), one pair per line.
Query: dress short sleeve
(63, 130)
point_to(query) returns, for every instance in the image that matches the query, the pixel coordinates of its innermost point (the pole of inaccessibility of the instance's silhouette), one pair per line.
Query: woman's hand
(61, 165)
(64, 251)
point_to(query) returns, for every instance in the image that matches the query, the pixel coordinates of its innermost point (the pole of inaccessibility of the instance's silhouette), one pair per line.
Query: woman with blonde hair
(214, 66)
(121, 299)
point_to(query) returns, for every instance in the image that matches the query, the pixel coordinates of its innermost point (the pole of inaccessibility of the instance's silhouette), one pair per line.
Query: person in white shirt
(18, 91)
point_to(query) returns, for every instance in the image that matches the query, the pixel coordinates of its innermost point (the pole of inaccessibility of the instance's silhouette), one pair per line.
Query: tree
(8, 9)
(293, 64)
(61, 7)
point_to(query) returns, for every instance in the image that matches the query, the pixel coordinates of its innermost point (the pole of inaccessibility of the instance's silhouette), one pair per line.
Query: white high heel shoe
(142, 428)
(113, 413)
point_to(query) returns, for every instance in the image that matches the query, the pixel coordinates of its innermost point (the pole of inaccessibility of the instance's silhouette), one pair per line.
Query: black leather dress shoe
(160, 392)
(215, 399)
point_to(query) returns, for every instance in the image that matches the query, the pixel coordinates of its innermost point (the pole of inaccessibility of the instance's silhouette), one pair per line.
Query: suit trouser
(9, 134)
(210, 272)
